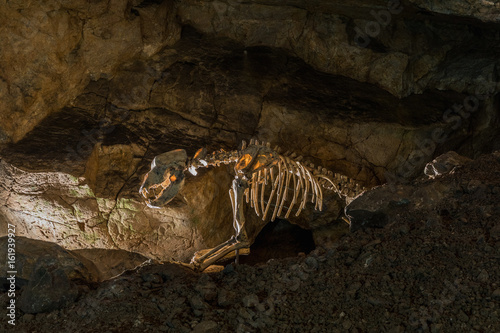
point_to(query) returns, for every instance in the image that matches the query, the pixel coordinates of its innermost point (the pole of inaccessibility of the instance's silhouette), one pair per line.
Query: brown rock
(485, 11)
(109, 262)
(445, 163)
(57, 48)
(381, 205)
(51, 277)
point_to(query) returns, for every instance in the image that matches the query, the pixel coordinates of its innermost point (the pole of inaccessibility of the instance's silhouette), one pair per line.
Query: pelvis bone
(264, 179)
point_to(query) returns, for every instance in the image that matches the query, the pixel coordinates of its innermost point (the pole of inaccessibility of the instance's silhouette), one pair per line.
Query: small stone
(206, 326)
(180, 300)
(152, 278)
(197, 302)
(372, 243)
(28, 317)
(436, 328)
(375, 301)
(277, 286)
(225, 297)
(483, 276)
(246, 313)
(432, 222)
(161, 307)
(463, 317)
(302, 275)
(404, 229)
(481, 240)
(311, 264)
(474, 185)
(229, 269)
(250, 300)
(495, 232)
(294, 284)
(496, 293)
(397, 329)
(347, 324)
(207, 290)
(260, 307)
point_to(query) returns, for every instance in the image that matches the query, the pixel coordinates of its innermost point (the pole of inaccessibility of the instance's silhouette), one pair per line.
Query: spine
(342, 185)
(203, 160)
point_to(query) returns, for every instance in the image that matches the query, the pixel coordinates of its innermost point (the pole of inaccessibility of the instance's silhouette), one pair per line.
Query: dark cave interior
(406, 124)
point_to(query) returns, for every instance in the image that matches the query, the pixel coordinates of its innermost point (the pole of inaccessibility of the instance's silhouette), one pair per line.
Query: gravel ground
(435, 270)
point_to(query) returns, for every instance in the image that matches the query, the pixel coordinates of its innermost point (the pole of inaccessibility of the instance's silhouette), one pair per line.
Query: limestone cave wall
(92, 91)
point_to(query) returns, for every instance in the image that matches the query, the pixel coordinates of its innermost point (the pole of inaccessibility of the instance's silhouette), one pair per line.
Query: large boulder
(445, 163)
(110, 262)
(432, 199)
(49, 276)
(382, 205)
(61, 208)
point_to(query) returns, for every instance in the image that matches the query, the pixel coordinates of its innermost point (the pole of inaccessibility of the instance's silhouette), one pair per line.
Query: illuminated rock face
(91, 93)
(56, 47)
(58, 207)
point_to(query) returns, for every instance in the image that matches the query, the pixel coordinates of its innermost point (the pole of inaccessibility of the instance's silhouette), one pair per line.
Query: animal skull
(165, 179)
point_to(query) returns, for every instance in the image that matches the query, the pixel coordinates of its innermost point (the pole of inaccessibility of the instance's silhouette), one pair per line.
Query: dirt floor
(435, 269)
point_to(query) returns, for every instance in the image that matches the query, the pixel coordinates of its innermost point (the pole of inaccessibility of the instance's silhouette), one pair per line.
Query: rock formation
(433, 267)
(92, 91)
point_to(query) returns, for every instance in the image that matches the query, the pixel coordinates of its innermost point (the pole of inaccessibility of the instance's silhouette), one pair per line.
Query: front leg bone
(239, 187)
(232, 240)
(200, 265)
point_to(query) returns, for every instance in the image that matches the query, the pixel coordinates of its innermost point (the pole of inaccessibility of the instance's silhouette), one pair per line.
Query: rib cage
(290, 180)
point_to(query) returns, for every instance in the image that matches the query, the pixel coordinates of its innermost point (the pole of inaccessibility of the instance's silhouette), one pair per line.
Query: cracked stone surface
(188, 95)
(58, 47)
(397, 39)
(57, 207)
(488, 11)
